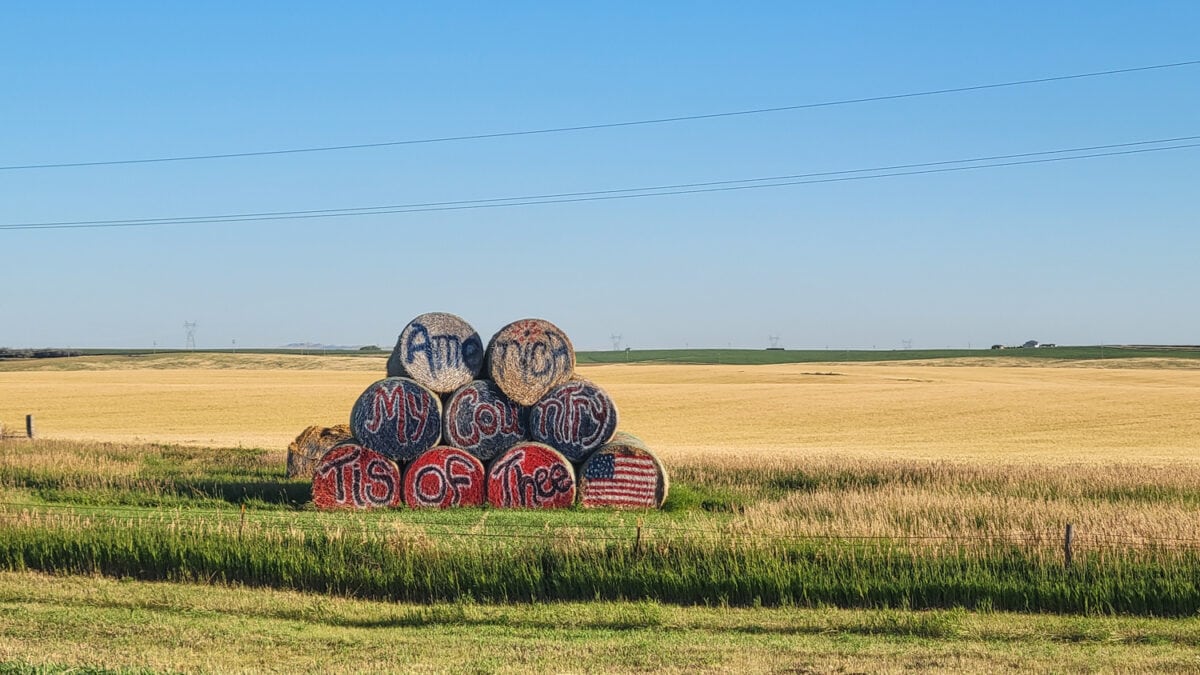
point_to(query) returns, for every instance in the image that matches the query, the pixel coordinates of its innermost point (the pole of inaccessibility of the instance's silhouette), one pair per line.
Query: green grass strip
(803, 573)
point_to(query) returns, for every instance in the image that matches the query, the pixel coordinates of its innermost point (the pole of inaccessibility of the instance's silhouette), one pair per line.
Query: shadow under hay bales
(285, 493)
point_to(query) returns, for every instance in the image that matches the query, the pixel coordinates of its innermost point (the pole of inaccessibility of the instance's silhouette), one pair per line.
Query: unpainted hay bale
(531, 475)
(528, 358)
(482, 420)
(443, 477)
(351, 476)
(439, 350)
(398, 418)
(575, 418)
(306, 451)
(624, 474)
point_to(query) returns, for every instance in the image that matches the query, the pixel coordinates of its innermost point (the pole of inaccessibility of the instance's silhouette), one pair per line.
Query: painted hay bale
(443, 477)
(351, 476)
(480, 419)
(306, 451)
(397, 417)
(623, 474)
(439, 350)
(531, 475)
(575, 418)
(528, 358)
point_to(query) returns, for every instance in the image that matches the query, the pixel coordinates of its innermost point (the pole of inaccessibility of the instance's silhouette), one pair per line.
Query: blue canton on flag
(601, 467)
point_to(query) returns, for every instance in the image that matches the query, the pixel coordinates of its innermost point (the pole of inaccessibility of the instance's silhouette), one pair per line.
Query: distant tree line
(6, 353)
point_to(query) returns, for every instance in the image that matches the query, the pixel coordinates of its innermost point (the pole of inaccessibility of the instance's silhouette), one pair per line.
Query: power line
(924, 168)
(656, 189)
(607, 125)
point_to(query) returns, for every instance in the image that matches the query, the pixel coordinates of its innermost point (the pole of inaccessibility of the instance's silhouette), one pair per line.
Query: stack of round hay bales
(306, 451)
(510, 425)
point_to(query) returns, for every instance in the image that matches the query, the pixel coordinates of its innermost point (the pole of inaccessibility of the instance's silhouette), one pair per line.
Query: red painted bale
(531, 475)
(443, 477)
(351, 476)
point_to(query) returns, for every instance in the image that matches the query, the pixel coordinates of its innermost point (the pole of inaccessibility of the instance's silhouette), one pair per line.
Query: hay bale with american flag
(623, 474)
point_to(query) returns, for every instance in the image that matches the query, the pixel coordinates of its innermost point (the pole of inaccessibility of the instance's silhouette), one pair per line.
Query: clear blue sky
(1101, 250)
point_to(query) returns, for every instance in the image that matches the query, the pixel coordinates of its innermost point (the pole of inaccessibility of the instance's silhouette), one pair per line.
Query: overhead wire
(603, 125)
(913, 169)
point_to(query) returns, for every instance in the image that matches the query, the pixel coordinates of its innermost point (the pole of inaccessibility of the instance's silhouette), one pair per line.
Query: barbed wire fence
(637, 533)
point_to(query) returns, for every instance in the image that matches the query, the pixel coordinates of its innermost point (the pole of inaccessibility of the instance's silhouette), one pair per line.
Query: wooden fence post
(29, 426)
(1067, 545)
(637, 542)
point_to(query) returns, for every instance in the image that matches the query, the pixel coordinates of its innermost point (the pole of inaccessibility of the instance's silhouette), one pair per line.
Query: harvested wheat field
(1015, 410)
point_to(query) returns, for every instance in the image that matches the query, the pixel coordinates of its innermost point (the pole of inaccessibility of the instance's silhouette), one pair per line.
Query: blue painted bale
(480, 419)
(575, 418)
(397, 417)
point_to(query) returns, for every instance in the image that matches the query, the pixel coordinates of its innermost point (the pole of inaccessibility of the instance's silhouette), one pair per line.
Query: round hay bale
(353, 477)
(443, 477)
(306, 451)
(480, 419)
(528, 358)
(531, 475)
(575, 418)
(439, 350)
(398, 418)
(623, 474)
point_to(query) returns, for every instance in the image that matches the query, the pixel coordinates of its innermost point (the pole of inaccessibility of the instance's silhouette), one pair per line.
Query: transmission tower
(907, 343)
(189, 329)
(616, 342)
(774, 339)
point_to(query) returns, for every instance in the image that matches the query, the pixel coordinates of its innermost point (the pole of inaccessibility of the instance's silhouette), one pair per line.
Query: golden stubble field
(1014, 411)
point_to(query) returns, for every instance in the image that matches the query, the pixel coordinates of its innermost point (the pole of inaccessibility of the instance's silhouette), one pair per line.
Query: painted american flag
(620, 480)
